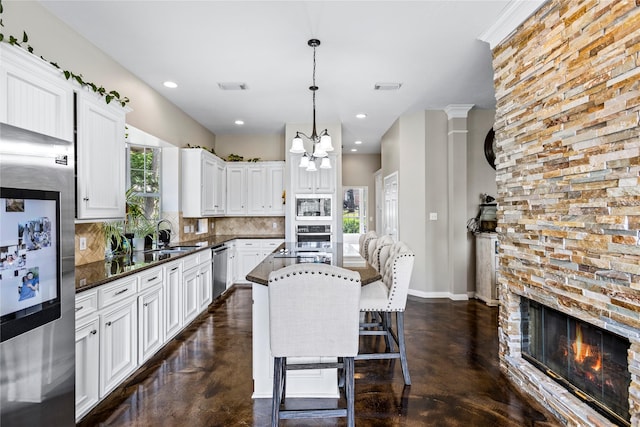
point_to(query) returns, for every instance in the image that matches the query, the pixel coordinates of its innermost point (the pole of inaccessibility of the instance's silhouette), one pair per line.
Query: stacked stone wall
(568, 166)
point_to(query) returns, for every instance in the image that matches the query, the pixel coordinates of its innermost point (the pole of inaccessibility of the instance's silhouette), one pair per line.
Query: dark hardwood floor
(203, 377)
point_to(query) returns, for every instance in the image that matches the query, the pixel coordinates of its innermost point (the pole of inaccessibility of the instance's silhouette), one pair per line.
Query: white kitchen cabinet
(87, 364)
(172, 299)
(202, 192)
(255, 189)
(205, 295)
(150, 323)
(231, 263)
(250, 253)
(486, 267)
(101, 157)
(118, 344)
(236, 189)
(320, 181)
(191, 289)
(34, 95)
(265, 184)
(220, 194)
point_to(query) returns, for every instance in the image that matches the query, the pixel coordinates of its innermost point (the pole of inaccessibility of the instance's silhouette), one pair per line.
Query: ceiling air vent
(232, 86)
(387, 86)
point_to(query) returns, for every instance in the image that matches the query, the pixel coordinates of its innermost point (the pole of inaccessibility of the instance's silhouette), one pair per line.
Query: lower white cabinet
(172, 299)
(250, 253)
(150, 323)
(191, 287)
(87, 358)
(197, 285)
(121, 324)
(118, 345)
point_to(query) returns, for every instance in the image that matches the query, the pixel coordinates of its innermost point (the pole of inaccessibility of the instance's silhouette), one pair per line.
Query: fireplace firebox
(589, 361)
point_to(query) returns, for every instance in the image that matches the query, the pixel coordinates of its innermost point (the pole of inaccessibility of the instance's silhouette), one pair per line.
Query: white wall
(55, 41)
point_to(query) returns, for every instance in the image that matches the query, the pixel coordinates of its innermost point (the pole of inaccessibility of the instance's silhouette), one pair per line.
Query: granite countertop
(94, 274)
(331, 253)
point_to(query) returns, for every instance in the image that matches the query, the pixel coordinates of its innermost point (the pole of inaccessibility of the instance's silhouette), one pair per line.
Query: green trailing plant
(203, 148)
(113, 232)
(69, 75)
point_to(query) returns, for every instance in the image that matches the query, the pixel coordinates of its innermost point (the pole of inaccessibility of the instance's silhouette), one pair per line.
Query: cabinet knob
(86, 199)
(108, 324)
(94, 332)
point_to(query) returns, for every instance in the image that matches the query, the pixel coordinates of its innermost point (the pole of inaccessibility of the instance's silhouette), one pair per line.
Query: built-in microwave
(314, 207)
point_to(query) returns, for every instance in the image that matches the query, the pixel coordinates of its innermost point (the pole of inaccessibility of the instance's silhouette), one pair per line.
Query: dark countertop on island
(97, 273)
(331, 253)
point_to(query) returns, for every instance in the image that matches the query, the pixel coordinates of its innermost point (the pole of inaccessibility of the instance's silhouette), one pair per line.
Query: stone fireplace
(568, 172)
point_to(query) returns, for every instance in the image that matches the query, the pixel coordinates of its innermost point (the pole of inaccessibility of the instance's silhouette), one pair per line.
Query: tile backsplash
(182, 229)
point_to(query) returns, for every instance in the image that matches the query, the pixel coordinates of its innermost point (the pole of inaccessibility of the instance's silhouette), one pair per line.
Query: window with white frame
(143, 177)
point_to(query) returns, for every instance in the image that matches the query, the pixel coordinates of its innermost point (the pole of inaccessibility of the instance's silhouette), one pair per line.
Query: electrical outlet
(83, 243)
(191, 229)
(275, 225)
(433, 216)
(186, 228)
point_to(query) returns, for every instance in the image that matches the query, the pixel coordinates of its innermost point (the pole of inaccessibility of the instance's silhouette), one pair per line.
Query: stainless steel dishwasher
(219, 261)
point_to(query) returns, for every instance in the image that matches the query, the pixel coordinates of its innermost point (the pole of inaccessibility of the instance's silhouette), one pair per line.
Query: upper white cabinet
(101, 157)
(34, 95)
(236, 189)
(320, 181)
(255, 189)
(202, 183)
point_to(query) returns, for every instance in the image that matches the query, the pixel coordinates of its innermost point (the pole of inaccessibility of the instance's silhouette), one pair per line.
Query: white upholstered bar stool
(364, 240)
(375, 251)
(313, 312)
(388, 296)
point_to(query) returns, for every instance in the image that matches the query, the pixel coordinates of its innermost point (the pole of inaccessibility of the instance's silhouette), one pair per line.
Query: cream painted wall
(416, 146)
(266, 147)
(56, 42)
(357, 171)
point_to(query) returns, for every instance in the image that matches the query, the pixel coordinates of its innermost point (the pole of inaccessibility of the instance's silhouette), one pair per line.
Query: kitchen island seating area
(382, 298)
(313, 312)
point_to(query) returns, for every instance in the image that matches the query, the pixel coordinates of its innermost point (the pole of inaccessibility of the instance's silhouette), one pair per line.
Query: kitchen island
(303, 383)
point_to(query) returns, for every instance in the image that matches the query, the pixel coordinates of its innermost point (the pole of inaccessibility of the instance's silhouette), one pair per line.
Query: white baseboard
(454, 297)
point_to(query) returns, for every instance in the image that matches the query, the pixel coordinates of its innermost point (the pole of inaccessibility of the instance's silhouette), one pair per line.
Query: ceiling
(431, 47)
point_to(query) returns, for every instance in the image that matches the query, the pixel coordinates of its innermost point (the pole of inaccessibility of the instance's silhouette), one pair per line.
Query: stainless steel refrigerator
(37, 287)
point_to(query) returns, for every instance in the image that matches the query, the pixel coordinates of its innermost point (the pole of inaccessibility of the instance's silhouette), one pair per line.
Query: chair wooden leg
(277, 391)
(283, 393)
(387, 326)
(350, 390)
(401, 344)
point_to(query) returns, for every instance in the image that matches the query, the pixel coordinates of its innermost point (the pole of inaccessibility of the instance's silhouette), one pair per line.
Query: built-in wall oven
(313, 233)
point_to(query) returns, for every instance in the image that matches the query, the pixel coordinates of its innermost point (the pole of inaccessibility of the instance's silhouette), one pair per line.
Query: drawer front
(150, 278)
(271, 244)
(117, 291)
(86, 303)
(248, 244)
(204, 256)
(191, 261)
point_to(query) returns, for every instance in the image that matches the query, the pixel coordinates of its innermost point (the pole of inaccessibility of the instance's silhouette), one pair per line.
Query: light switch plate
(433, 216)
(83, 243)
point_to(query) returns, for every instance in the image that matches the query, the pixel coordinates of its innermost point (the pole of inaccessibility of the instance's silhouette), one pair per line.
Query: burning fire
(585, 352)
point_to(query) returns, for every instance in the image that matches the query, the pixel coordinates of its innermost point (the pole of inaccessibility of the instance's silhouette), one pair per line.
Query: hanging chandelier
(321, 144)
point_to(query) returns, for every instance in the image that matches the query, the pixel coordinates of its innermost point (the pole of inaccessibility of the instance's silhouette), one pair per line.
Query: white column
(457, 199)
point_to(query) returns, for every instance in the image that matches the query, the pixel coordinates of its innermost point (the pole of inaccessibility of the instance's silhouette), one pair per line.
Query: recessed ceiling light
(358, 142)
(361, 115)
(387, 86)
(239, 122)
(354, 149)
(232, 86)
(170, 85)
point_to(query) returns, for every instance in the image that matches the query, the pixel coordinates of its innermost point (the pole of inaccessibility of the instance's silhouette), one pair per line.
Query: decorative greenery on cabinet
(69, 75)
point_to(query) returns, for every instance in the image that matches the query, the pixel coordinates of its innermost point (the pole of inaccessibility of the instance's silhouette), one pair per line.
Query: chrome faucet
(158, 242)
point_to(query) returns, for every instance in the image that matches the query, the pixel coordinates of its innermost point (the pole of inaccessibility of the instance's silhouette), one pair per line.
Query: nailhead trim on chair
(273, 279)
